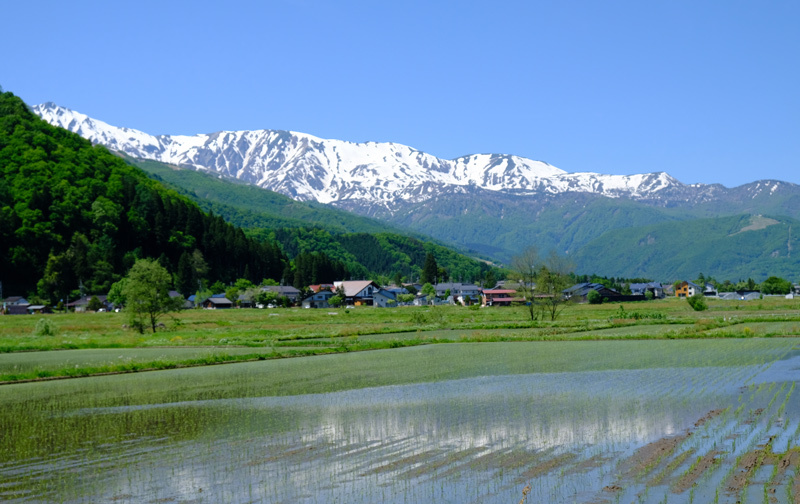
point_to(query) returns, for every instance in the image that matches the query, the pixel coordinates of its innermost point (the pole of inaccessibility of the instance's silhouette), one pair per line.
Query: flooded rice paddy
(723, 425)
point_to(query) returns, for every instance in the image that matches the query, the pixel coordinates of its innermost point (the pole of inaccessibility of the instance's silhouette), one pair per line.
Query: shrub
(697, 302)
(594, 297)
(94, 304)
(45, 327)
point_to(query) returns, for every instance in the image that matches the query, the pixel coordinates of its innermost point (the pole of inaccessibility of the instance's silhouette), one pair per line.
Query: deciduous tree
(147, 294)
(542, 281)
(525, 266)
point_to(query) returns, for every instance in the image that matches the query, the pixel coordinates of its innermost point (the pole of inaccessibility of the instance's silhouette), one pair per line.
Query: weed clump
(45, 327)
(697, 302)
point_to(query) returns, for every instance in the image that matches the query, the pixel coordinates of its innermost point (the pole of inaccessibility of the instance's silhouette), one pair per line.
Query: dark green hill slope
(367, 247)
(72, 214)
(249, 206)
(735, 247)
(509, 223)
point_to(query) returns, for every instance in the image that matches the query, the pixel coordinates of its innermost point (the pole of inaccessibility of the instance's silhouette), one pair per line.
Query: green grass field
(198, 337)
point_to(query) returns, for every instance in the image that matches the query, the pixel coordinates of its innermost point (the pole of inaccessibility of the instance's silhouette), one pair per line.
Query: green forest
(74, 214)
(365, 247)
(75, 217)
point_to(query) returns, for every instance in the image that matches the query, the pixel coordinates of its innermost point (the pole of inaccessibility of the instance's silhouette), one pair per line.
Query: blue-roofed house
(641, 289)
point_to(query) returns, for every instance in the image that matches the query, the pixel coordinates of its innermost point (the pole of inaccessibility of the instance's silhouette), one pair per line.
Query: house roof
(85, 300)
(353, 287)
(220, 301)
(282, 290)
(453, 286)
(642, 286)
(582, 289)
(386, 293)
(325, 295)
(499, 291)
(15, 300)
(319, 287)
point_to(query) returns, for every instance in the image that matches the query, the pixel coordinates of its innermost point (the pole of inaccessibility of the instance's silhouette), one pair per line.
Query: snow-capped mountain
(305, 167)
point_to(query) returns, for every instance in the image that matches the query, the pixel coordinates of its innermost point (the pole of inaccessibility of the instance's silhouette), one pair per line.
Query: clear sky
(708, 91)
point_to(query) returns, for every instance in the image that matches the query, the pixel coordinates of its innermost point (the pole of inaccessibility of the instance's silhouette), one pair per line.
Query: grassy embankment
(99, 344)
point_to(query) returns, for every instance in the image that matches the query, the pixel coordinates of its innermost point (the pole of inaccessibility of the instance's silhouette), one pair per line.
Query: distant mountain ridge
(493, 204)
(306, 167)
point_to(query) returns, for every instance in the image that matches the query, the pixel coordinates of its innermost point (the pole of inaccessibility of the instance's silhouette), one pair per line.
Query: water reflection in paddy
(571, 436)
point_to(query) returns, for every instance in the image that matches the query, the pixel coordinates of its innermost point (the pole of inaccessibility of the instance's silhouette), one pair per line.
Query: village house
(287, 291)
(462, 293)
(217, 302)
(15, 305)
(499, 297)
(15, 300)
(687, 289)
(580, 292)
(384, 298)
(641, 289)
(318, 300)
(82, 304)
(357, 292)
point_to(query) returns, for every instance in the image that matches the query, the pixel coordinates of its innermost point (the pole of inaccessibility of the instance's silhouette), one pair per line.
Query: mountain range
(493, 204)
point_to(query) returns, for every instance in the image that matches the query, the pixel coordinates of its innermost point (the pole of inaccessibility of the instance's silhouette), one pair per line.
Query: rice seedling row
(627, 421)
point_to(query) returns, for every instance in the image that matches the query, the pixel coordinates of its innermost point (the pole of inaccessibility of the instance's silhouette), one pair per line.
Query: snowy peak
(132, 142)
(306, 167)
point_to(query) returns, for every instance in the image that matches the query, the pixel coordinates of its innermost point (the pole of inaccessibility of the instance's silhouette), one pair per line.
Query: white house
(318, 300)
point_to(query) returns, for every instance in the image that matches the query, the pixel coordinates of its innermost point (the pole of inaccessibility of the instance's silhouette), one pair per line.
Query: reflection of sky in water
(364, 445)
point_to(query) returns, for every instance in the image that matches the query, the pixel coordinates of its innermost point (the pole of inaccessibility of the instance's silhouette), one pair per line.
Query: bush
(94, 304)
(45, 327)
(698, 302)
(594, 297)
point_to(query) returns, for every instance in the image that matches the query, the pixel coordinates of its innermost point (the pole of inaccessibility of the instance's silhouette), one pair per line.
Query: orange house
(687, 289)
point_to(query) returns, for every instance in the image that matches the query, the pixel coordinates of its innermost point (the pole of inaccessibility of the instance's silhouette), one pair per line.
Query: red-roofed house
(499, 297)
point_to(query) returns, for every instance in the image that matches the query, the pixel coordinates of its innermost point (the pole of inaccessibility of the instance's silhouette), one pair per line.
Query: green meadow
(642, 402)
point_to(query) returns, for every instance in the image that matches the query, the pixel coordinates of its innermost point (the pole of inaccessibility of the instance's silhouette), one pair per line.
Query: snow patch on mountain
(306, 167)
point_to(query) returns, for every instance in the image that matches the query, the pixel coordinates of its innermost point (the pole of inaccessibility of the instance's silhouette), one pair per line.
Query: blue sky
(707, 91)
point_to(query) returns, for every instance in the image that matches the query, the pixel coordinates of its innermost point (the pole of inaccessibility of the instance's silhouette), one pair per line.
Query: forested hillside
(734, 248)
(375, 255)
(76, 216)
(329, 238)
(72, 214)
(249, 206)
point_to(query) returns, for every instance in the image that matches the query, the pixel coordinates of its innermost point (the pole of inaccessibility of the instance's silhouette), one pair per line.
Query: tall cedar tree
(430, 271)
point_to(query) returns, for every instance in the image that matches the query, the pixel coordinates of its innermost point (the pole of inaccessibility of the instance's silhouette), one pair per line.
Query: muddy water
(600, 436)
